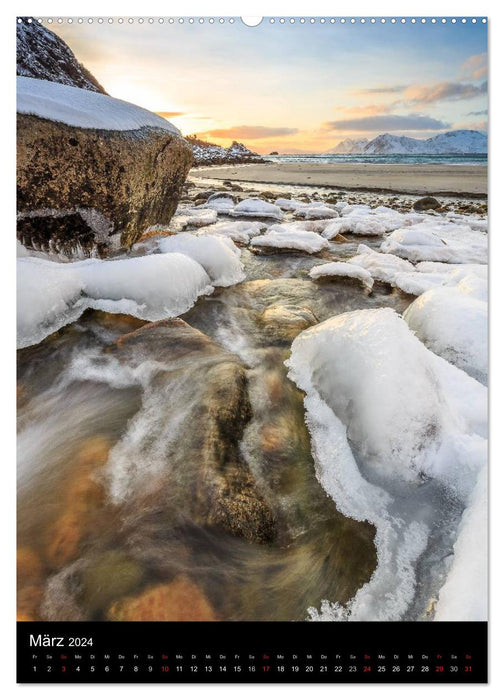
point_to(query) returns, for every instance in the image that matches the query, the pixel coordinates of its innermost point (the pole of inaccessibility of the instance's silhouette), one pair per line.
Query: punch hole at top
(252, 21)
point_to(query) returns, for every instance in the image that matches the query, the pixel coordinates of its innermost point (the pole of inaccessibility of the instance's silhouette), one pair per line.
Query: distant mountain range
(462, 141)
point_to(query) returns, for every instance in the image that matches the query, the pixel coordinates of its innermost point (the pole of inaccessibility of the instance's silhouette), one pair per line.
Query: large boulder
(93, 172)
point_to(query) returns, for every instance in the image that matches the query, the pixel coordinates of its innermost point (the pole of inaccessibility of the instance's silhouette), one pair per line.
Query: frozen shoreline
(468, 181)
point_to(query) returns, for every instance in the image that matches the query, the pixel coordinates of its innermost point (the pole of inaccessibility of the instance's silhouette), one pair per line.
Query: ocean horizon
(407, 158)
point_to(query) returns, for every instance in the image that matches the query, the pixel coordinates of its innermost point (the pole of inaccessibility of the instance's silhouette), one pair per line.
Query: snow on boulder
(218, 256)
(453, 324)
(398, 437)
(444, 242)
(289, 237)
(256, 207)
(91, 169)
(83, 108)
(342, 269)
(51, 295)
(383, 267)
(238, 231)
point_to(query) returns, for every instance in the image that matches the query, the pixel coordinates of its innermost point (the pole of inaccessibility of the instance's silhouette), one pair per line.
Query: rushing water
(112, 473)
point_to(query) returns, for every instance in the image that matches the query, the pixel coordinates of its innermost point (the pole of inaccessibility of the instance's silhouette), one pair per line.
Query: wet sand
(419, 179)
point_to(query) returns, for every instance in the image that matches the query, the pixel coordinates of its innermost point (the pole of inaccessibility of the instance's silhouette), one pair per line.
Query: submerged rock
(30, 575)
(203, 473)
(82, 497)
(107, 578)
(284, 322)
(178, 601)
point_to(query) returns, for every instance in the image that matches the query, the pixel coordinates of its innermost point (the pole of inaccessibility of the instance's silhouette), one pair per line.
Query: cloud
(366, 110)
(382, 90)
(481, 113)
(390, 122)
(475, 67)
(169, 115)
(252, 132)
(474, 126)
(437, 92)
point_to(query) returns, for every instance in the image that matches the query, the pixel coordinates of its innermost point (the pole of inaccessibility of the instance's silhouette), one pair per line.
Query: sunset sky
(292, 87)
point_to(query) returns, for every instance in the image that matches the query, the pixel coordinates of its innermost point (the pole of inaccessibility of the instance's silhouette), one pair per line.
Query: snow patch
(83, 108)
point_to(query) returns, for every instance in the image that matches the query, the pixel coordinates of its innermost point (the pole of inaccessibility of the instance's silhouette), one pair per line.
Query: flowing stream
(123, 448)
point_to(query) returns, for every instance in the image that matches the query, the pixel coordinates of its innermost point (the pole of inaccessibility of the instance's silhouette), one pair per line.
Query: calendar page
(252, 349)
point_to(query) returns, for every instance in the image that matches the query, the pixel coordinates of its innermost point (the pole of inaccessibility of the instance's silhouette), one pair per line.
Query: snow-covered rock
(453, 324)
(255, 207)
(342, 269)
(193, 217)
(51, 295)
(218, 256)
(440, 242)
(289, 204)
(211, 154)
(316, 210)
(383, 267)
(397, 433)
(428, 275)
(92, 169)
(83, 108)
(357, 225)
(238, 231)
(221, 202)
(288, 236)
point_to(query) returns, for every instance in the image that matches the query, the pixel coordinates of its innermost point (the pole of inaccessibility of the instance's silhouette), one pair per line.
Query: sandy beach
(419, 179)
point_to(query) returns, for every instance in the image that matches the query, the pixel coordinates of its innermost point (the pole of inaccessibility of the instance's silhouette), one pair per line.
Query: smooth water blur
(107, 467)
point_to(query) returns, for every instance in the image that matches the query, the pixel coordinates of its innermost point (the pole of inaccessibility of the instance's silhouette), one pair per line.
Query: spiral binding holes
(271, 20)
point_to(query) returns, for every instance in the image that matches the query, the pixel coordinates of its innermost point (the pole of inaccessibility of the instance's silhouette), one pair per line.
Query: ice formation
(443, 242)
(383, 267)
(218, 256)
(256, 207)
(342, 269)
(398, 437)
(453, 323)
(50, 295)
(191, 217)
(288, 236)
(238, 231)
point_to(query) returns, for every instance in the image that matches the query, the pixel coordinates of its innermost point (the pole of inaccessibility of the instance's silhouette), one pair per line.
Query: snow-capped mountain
(461, 141)
(43, 55)
(349, 146)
